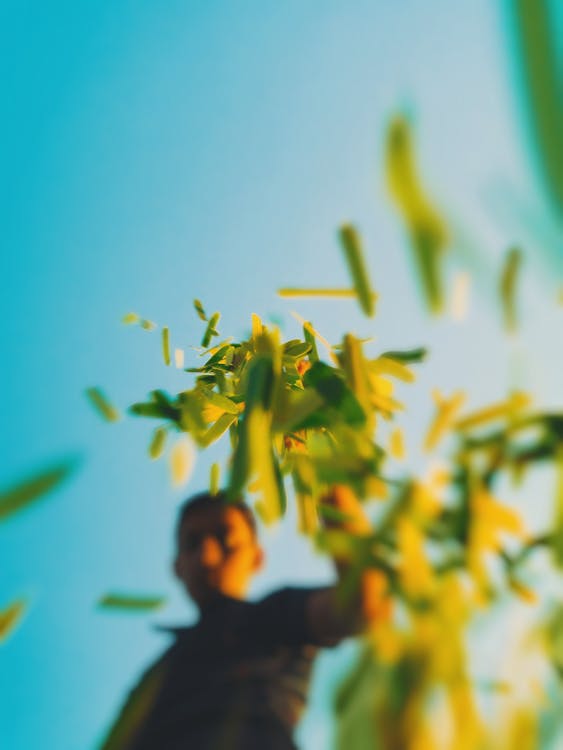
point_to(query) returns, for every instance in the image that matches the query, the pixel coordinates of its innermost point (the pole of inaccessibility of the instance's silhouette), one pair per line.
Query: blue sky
(154, 153)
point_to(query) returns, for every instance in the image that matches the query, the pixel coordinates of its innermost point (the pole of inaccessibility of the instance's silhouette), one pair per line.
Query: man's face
(217, 553)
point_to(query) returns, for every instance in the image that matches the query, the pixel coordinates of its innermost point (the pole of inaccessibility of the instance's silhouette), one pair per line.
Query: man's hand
(331, 620)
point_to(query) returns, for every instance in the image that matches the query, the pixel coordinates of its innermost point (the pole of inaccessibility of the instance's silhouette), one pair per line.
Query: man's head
(217, 550)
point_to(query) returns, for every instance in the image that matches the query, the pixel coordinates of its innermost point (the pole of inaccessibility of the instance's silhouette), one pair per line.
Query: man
(238, 679)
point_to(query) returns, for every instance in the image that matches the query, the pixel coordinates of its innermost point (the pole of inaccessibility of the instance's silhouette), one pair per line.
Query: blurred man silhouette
(238, 678)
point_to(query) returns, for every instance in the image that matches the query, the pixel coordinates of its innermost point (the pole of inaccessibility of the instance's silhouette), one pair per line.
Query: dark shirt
(237, 680)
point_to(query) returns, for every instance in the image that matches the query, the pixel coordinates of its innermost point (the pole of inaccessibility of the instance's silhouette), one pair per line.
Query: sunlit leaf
(130, 319)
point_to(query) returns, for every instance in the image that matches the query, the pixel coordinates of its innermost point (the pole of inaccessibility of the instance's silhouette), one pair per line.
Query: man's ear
(259, 558)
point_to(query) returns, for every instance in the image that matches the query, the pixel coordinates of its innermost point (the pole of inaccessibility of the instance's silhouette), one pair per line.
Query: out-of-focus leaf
(408, 356)
(300, 406)
(446, 412)
(10, 617)
(393, 367)
(330, 385)
(351, 245)
(26, 492)
(296, 349)
(130, 319)
(427, 229)
(214, 478)
(199, 310)
(179, 358)
(166, 345)
(537, 40)
(217, 429)
(503, 409)
(292, 292)
(557, 536)
(221, 402)
(148, 325)
(507, 288)
(131, 602)
(157, 443)
(210, 330)
(101, 404)
(182, 460)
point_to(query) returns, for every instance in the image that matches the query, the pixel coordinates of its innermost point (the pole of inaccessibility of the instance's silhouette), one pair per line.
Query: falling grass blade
(536, 34)
(199, 310)
(214, 478)
(409, 356)
(10, 617)
(29, 490)
(101, 404)
(156, 447)
(131, 602)
(427, 229)
(507, 288)
(166, 346)
(290, 292)
(351, 245)
(210, 330)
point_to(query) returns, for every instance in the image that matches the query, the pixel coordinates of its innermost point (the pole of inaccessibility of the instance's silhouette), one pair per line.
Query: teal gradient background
(156, 152)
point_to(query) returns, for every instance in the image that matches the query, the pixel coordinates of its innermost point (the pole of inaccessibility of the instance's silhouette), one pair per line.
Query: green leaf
(131, 602)
(148, 325)
(101, 404)
(310, 339)
(221, 402)
(296, 349)
(350, 241)
(157, 443)
(217, 429)
(330, 385)
(210, 330)
(507, 288)
(407, 356)
(166, 346)
(199, 310)
(130, 319)
(30, 490)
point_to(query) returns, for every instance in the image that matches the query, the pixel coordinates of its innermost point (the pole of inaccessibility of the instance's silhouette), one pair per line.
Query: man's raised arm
(330, 616)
